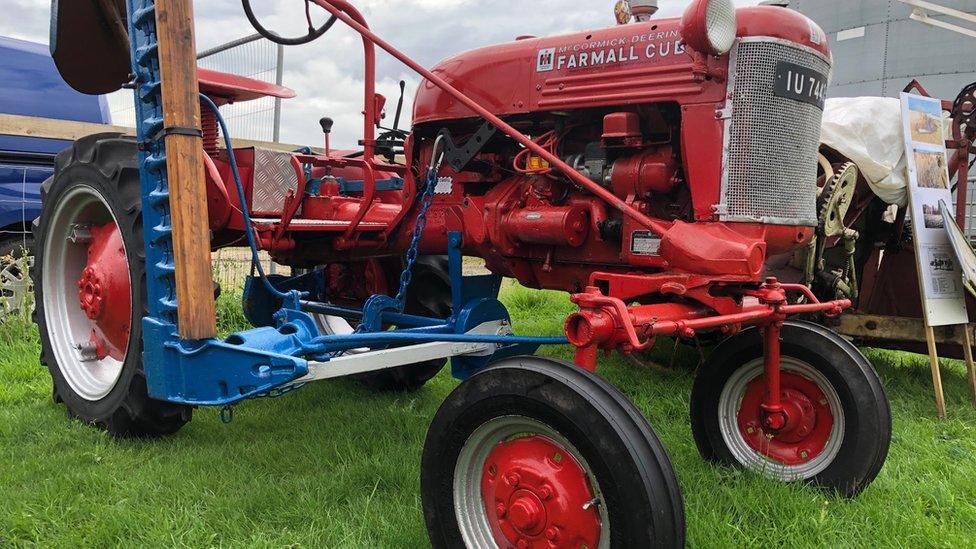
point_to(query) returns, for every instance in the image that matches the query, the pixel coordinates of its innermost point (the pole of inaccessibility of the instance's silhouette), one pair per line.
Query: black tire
(13, 250)
(108, 164)
(857, 455)
(429, 294)
(641, 497)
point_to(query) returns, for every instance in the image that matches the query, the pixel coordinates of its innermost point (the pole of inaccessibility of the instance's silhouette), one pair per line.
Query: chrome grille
(771, 142)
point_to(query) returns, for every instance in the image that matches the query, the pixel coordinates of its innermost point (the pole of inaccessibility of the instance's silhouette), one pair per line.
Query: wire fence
(250, 56)
(260, 59)
(231, 266)
(259, 120)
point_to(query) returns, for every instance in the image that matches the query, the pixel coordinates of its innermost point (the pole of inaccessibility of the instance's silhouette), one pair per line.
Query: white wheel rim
(730, 402)
(468, 502)
(67, 325)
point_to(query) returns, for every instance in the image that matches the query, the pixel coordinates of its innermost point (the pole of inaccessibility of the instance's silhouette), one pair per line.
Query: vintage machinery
(863, 249)
(647, 169)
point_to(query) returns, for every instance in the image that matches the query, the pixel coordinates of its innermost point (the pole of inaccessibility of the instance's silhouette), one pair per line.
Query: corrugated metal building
(878, 49)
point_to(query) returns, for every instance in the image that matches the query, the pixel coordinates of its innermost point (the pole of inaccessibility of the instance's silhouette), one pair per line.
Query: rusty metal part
(835, 200)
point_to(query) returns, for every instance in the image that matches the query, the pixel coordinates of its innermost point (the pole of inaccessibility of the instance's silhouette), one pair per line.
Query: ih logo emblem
(546, 61)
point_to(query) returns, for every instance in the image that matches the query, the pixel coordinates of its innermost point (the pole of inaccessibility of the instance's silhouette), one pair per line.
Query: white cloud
(328, 74)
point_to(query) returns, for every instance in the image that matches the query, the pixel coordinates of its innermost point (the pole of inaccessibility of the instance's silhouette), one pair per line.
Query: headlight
(709, 26)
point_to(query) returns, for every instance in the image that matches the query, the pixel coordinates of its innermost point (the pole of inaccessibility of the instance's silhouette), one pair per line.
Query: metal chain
(413, 250)
(418, 229)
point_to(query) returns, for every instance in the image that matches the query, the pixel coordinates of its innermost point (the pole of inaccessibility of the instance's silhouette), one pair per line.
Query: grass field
(336, 466)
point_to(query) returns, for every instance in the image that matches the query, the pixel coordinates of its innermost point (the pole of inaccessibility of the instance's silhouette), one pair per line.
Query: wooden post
(967, 350)
(936, 373)
(184, 163)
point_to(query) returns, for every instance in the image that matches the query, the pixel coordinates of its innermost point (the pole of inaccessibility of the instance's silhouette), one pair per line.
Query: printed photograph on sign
(933, 217)
(932, 170)
(944, 279)
(941, 282)
(926, 121)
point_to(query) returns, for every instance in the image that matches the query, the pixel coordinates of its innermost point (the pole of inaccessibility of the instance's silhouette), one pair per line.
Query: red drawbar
(536, 494)
(105, 293)
(809, 420)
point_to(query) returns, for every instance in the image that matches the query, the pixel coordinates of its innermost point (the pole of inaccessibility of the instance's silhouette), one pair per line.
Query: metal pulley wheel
(835, 199)
(964, 111)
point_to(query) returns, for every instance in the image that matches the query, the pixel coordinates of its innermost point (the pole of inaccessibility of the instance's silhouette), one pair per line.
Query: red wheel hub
(105, 292)
(809, 420)
(536, 494)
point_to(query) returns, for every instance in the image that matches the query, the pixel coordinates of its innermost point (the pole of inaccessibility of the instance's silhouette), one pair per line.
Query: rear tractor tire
(534, 452)
(90, 295)
(839, 421)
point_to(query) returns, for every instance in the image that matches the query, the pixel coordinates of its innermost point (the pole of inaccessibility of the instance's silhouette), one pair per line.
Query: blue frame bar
(388, 317)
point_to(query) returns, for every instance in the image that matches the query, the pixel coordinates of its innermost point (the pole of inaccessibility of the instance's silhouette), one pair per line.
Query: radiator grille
(771, 164)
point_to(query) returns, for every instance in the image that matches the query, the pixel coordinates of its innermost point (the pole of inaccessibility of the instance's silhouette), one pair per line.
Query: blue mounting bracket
(208, 372)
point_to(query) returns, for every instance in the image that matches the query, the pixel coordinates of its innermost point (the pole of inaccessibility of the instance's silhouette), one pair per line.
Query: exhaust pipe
(642, 10)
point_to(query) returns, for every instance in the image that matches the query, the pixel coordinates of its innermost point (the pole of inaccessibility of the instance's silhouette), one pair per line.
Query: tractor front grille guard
(771, 142)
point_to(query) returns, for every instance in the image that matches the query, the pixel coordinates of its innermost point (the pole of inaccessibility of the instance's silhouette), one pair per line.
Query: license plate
(800, 84)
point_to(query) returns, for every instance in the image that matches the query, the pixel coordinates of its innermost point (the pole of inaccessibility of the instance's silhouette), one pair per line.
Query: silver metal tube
(229, 45)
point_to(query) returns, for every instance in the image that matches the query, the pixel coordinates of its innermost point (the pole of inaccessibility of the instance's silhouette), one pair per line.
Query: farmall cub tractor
(648, 169)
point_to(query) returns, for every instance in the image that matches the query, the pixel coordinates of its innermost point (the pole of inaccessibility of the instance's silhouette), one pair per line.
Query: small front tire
(534, 452)
(840, 421)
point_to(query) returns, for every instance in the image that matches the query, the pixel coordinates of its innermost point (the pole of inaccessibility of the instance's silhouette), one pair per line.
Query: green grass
(336, 466)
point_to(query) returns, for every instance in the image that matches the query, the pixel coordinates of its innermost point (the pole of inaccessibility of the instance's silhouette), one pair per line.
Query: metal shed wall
(878, 49)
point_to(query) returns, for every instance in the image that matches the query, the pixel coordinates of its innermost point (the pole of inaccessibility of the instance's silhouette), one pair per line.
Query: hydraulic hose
(242, 197)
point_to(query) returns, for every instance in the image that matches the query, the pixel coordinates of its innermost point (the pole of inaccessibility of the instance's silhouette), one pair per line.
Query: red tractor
(647, 169)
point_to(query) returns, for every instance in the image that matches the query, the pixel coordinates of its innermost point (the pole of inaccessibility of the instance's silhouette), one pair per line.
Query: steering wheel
(313, 33)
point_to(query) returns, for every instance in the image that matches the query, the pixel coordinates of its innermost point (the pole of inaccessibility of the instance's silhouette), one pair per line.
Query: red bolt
(551, 534)
(775, 421)
(545, 492)
(512, 479)
(500, 510)
(522, 544)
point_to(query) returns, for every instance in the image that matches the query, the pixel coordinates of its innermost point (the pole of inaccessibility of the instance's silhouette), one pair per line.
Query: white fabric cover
(869, 131)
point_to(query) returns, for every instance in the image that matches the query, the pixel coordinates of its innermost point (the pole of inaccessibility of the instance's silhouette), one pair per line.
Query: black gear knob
(326, 124)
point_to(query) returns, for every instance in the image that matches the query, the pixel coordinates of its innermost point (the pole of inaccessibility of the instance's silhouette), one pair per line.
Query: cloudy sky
(327, 74)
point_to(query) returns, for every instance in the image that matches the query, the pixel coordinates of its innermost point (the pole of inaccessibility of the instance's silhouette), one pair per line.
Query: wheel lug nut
(500, 510)
(512, 479)
(88, 351)
(551, 534)
(522, 544)
(545, 492)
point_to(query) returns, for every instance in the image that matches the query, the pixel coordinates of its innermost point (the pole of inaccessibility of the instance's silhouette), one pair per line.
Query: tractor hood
(644, 62)
(90, 44)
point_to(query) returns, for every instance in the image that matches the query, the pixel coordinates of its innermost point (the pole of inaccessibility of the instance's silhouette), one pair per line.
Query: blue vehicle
(30, 85)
